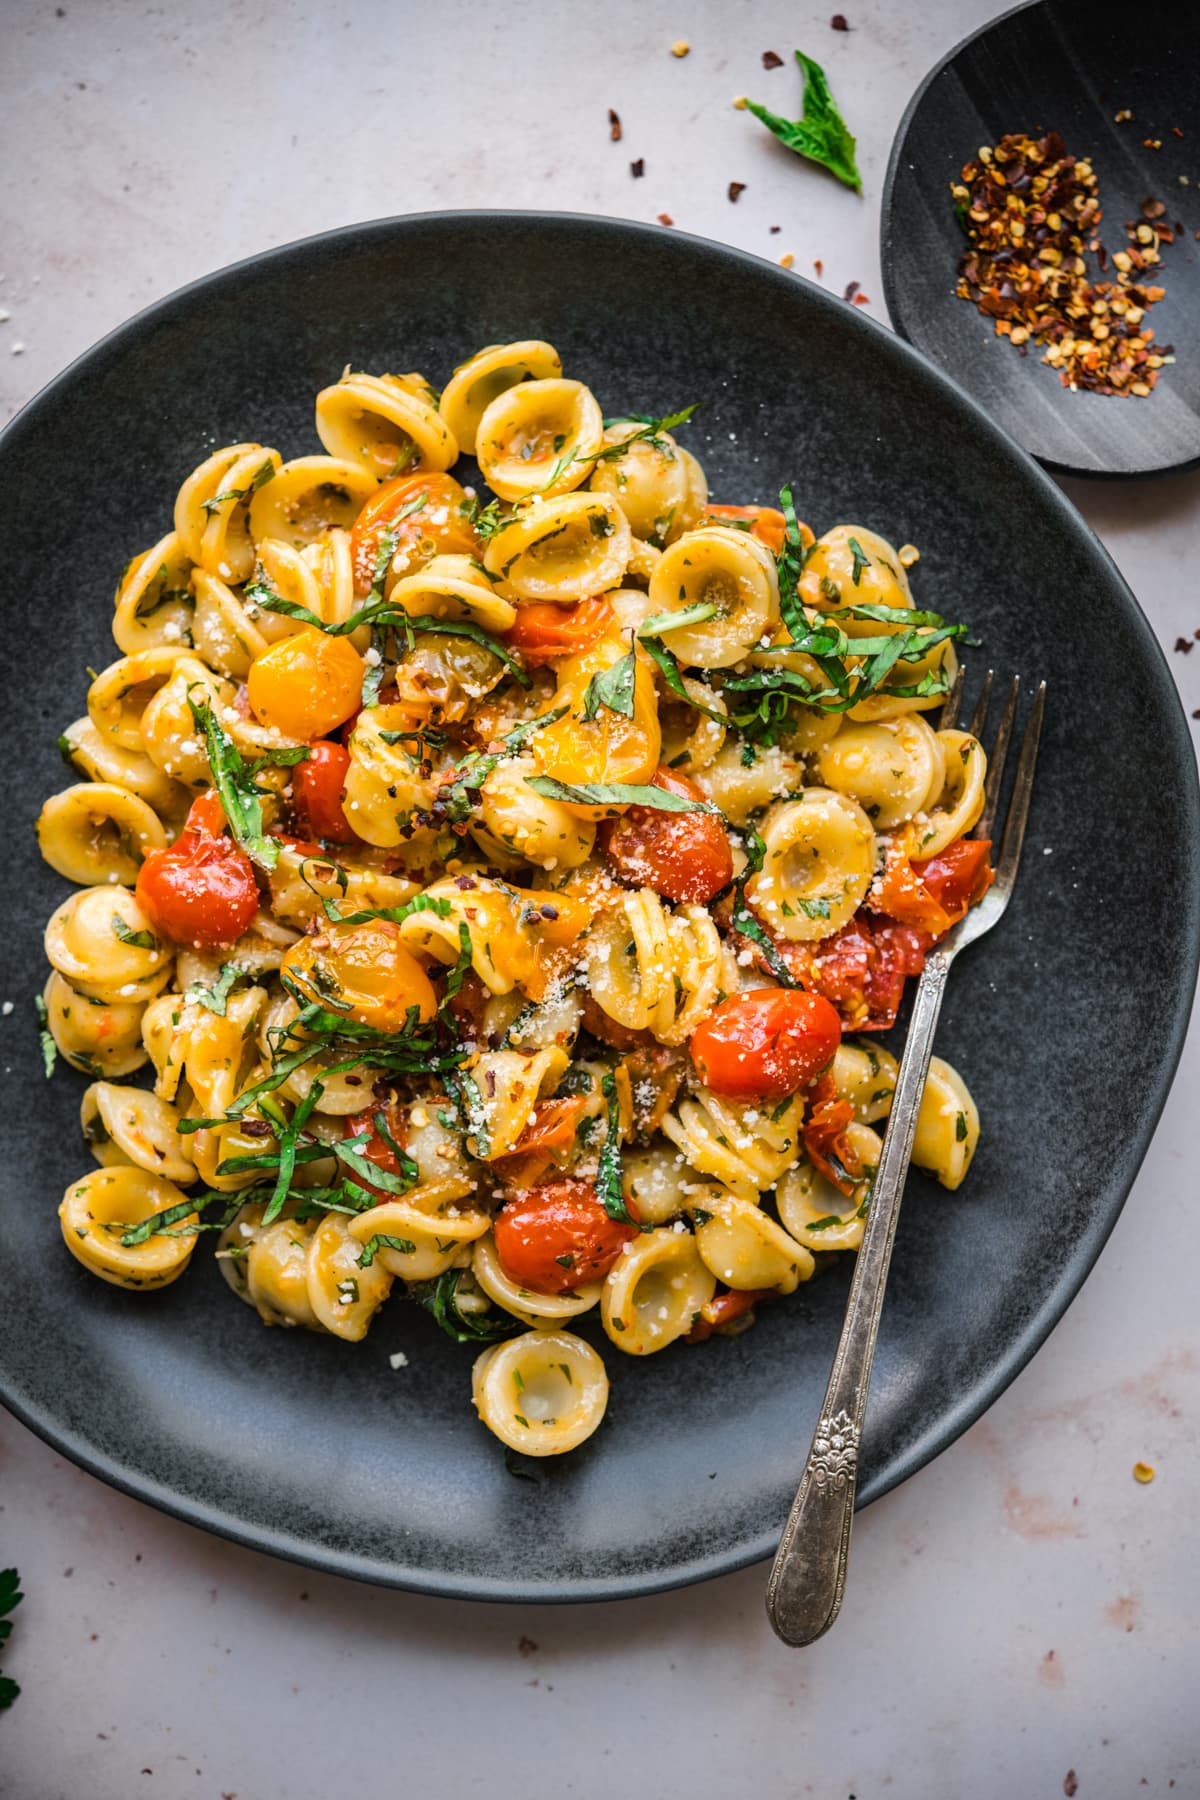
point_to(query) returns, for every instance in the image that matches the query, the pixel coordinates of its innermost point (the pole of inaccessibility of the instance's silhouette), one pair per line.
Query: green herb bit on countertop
(820, 134)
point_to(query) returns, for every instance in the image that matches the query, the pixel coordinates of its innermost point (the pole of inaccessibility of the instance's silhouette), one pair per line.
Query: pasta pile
(488, 883)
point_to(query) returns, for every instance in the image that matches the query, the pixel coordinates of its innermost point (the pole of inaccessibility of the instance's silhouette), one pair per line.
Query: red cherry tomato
(543, 631)
(766, 1043)
(377, 1149)
(558, 1236)
(317, 785)
(683, 856)
(825, 1141)
(201, 891)
(437, 528)
(933, 895)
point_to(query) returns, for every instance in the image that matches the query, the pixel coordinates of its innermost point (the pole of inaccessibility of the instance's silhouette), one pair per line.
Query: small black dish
(1068, 66)
(1067, 1021)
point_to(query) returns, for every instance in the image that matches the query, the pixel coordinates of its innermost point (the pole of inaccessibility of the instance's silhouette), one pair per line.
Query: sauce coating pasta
(475, 895)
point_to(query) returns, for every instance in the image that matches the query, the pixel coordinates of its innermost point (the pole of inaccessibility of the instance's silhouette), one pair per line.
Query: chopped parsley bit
(383, 1241)
(45, 1036)
(612, 688)
(861, 560)
(215, 998)
(960, 1128)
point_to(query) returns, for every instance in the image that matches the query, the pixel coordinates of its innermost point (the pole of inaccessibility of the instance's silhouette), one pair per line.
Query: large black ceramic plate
(1068, 66)
(1067, 1020)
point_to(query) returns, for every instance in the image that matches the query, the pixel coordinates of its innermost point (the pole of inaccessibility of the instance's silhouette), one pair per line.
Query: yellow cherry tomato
(610, 747)
(306, 685)
(362, 972)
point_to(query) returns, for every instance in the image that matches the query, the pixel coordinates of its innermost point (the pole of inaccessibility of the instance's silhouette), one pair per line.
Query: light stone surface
(1020, 1609)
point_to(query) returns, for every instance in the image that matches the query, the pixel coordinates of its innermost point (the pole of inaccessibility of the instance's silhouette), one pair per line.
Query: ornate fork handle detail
(808, 1580)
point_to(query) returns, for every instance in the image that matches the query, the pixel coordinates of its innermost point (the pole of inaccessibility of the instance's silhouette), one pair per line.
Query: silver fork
(808, 1579)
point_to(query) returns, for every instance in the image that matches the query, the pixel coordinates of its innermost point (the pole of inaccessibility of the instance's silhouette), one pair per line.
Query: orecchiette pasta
(482, 882)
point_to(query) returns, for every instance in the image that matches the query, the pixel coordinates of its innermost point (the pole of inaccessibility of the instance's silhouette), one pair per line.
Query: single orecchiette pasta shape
(488, 374)
(503, 1088)
(98, 832)
(451, 587)
(835, 578)
(153, 605)
(83, 944)
(384, 785)
(542, 1311)
(661, 487)
(652, 968)
(523, 826)
(212, 509)
(539, 438)
(947, 1125)
(612, 746)
(388, 423)
(309, 496)
(275, 1269)
(729, 571)
(692, 740)
(817, 866)
(541, 1394)
(103, 1206)
(746, 1148)
(95, 1036)
(433, 1226)
(225, 629)
(654, 1291)
(865, 1074)
(173, 740)
(343, 1294)
(955, 809)
(130, 1125)
(92, 754)
(330, 558)
(741, 789)
(299, 883)
(746, 1249)
(893, 770)
(816, 1212)
(120, 694)
(560, 549)
(509, 930)
(660, 1183)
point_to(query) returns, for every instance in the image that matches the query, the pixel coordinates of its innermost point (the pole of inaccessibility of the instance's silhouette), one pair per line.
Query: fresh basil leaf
(616, 793)
(236, 786)
(861, 560)
(215, 997)
(658, 624)
(141, 940)
(612, 688)
(440, 1298)
(610, 1179)
(674, 679)
(382, 1240)
(820, 134)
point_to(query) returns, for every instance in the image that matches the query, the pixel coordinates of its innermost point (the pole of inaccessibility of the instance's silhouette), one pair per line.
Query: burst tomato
(545, 1141)
(683, 856)
(201, 891)
(825, 1141)
(933, 895)
(543, 631)
(766, 523)
(437, 527)
(765, 1044)
(377, 1148)
(307, 684)
(862, 968)
(317, 785)
(363, 970)
(558, 1236)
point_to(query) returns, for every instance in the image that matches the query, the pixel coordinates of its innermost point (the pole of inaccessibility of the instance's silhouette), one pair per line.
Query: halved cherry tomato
(766, 1043)
(542, 631)
(684, 856)
(558, 1236)
(365, 971)
(437, 528)
(544, 1143)
(201, 891)
(307, 684)
(723, 1309)
(377, 1150)
(825, 1140)
(933, 895)
(317, 785)
(767, 523)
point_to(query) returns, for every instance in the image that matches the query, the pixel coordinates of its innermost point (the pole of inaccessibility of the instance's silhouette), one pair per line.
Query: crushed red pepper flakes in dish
(1028, 210)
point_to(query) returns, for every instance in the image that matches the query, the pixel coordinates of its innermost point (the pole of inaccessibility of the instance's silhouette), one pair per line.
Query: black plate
(1067, 66)
(1067, 1021)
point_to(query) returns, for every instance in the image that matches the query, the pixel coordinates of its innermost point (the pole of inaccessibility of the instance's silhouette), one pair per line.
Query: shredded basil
(616, 793)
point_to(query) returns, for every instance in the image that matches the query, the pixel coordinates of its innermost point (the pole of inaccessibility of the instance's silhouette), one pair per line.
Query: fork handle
(808, 1578)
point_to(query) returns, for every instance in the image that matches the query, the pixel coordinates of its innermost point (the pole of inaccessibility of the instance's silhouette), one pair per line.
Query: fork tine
(999, 755)
(979, 716)
(952, 702)
(1018, 807)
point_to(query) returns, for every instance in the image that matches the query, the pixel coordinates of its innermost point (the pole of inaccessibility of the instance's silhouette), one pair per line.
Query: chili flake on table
(1029, 211)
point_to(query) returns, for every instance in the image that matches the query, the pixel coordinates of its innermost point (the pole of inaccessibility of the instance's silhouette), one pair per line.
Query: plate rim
(891, 288)
(951, 1423)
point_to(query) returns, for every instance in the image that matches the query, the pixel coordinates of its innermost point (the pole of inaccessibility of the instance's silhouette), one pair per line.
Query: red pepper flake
(1185, 646)
(819, 266)
(638, 169)
(665, 219)
(862, 300)
(1029, 209)
(1175, 131)
(775, 228)
(771, 61)
(736, 188)
(614, 126)
(852, 288)
(1070, 1784)
(839, 22)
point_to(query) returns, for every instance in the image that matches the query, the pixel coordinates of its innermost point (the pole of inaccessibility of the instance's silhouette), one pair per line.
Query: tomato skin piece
(766, 523)
(560, 1219)
(829, 1118)
(544, 631)
(317, 785)
(422, 534)
(376, 1149)
(861, 969)
(765, 1044)
(201, 891)
(545, 1141)
(723, 1309)
(935, 894)
(683, 856)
